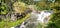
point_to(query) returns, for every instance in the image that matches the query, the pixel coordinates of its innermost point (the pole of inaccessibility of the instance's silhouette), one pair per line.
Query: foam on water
(42, 16)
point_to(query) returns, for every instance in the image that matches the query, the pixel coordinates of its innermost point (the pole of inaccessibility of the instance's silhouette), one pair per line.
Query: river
(42, 18)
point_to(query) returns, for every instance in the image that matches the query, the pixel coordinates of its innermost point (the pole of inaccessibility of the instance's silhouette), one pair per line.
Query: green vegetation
(22, 5)
(3, 8)
(10, 24)
(55, 19)
(19, 7)
(39, 25)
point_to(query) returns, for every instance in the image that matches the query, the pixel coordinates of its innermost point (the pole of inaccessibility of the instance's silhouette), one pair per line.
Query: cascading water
(42, 16)
(35, 18)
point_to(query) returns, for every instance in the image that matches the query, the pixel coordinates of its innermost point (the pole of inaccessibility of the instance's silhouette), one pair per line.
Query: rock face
(13, 17)
(17, 16)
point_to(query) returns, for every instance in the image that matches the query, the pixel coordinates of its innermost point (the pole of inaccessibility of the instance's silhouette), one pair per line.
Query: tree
(55, 18)
(3, 8)
(19, 7)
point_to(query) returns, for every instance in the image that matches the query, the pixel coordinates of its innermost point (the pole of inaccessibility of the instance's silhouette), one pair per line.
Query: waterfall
(42, 16)
(35, 18)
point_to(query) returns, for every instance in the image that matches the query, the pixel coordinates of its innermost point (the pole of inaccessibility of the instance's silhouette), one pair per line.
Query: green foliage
(55, 19)
(3, 8)
(2, 24)
(19, 7)
(29, 2)
(0, 19)
(39, 25)
(52, 25)
(10, 24)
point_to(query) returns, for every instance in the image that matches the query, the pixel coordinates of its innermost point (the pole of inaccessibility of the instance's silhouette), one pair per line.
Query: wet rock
(36, 18)
(13, 17)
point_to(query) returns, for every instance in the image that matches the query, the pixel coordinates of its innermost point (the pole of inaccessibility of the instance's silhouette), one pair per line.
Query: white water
(42, 18)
